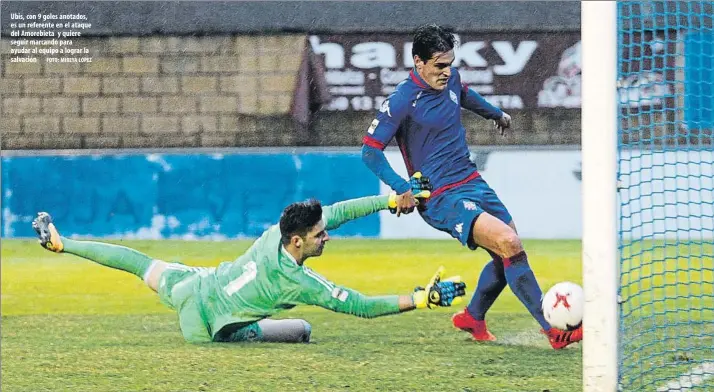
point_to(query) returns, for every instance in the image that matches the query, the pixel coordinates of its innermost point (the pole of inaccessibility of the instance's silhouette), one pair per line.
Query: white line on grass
(687, 381)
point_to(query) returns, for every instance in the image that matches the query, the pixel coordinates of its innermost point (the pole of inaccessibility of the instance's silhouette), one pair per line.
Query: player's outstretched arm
(473, 101)
(439, 292)
(375, 160)
(344, 211)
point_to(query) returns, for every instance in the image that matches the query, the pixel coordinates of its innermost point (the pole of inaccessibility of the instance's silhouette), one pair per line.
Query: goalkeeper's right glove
(421, 190)
(439, 292)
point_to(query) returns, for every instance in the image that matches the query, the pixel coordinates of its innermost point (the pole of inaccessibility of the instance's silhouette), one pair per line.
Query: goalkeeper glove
(439, 291)
(420, 187)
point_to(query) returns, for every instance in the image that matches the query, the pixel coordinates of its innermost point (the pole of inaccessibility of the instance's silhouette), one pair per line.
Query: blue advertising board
(172, 195)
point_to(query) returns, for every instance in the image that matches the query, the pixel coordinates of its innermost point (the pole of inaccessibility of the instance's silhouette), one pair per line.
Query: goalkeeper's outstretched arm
(317, 290)
(344, 211)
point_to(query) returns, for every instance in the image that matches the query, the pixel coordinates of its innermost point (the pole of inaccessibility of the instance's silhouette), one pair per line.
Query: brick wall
(217, 91)
(155, 92)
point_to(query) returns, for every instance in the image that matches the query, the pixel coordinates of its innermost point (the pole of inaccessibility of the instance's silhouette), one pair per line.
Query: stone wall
(155, 92)
(212, 91)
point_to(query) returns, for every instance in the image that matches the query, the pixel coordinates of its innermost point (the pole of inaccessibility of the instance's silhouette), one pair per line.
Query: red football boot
(465, 322)
(560, 339)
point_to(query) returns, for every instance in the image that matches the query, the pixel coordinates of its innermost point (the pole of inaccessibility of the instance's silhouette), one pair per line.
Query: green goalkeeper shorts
(177, 290)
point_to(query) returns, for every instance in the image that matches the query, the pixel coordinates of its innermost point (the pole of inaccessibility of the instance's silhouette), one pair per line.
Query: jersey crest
(452, 95)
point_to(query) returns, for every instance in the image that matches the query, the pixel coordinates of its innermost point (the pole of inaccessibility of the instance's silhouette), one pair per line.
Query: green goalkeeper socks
(114, 256)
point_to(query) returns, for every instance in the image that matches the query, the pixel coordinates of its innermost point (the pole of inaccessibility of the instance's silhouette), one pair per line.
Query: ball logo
(561, 299)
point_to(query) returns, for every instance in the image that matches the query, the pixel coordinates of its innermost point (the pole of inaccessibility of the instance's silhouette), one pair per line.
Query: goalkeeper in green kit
(233, 301)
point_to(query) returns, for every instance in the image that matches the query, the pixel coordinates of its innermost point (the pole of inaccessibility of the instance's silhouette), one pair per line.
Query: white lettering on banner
(479, 63)
(334, 53)
(367, 103)
(408, 59)
(344, 77)
(388, 76)
(347, 90)
(476, 76)
(338, 103)
(386, 90)
(374, 55)
(505, 101)
(367, 55)
(359, 103)
(468, 53)
(482, 89)
(513, 60)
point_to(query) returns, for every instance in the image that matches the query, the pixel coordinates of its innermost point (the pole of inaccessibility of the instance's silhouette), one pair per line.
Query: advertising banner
(187, 196)
(512, 70)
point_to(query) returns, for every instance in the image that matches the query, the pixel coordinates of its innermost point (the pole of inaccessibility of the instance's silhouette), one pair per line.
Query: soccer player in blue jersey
(424, 114)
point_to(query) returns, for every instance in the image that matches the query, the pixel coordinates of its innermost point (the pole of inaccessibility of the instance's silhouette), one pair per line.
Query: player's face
(315, 240)
(437, 70)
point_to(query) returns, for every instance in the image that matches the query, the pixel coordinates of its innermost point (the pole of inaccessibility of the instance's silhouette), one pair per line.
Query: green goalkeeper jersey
(266, 279)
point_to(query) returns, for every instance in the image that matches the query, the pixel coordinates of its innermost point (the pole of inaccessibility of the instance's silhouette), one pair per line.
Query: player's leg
(494, 229)
(113, 256)
(491, 283)
(286, 330)
(452, 212)
(267, 330)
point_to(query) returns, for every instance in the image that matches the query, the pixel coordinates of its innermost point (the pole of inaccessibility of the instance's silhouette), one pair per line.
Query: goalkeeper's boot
(47, 232)
(477, 328)
(560, 339)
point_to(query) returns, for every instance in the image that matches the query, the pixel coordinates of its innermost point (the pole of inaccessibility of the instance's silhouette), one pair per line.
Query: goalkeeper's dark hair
(299, 218)
(432, 38)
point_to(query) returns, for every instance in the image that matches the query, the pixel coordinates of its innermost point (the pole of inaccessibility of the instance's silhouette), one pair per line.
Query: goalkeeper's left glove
(439, 291)
(421, 190)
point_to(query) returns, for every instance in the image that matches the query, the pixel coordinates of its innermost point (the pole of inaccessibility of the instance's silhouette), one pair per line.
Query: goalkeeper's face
(436, 71)
(314, 241)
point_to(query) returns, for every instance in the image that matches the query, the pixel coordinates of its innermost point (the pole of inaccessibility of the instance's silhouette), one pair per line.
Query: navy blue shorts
(455, 210)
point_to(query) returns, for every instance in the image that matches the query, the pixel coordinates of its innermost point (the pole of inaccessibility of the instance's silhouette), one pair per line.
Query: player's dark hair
(299, 218)
(432, 38)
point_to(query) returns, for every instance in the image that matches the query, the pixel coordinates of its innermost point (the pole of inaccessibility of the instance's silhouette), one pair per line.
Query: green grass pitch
(71, 325)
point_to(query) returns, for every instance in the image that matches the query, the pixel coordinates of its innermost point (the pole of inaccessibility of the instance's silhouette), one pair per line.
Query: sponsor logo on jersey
(372, 126)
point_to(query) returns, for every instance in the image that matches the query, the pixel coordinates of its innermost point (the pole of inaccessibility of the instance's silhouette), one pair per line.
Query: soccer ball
(563, 305)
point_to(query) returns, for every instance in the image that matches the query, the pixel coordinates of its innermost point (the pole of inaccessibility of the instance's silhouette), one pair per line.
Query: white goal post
(599, 195)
